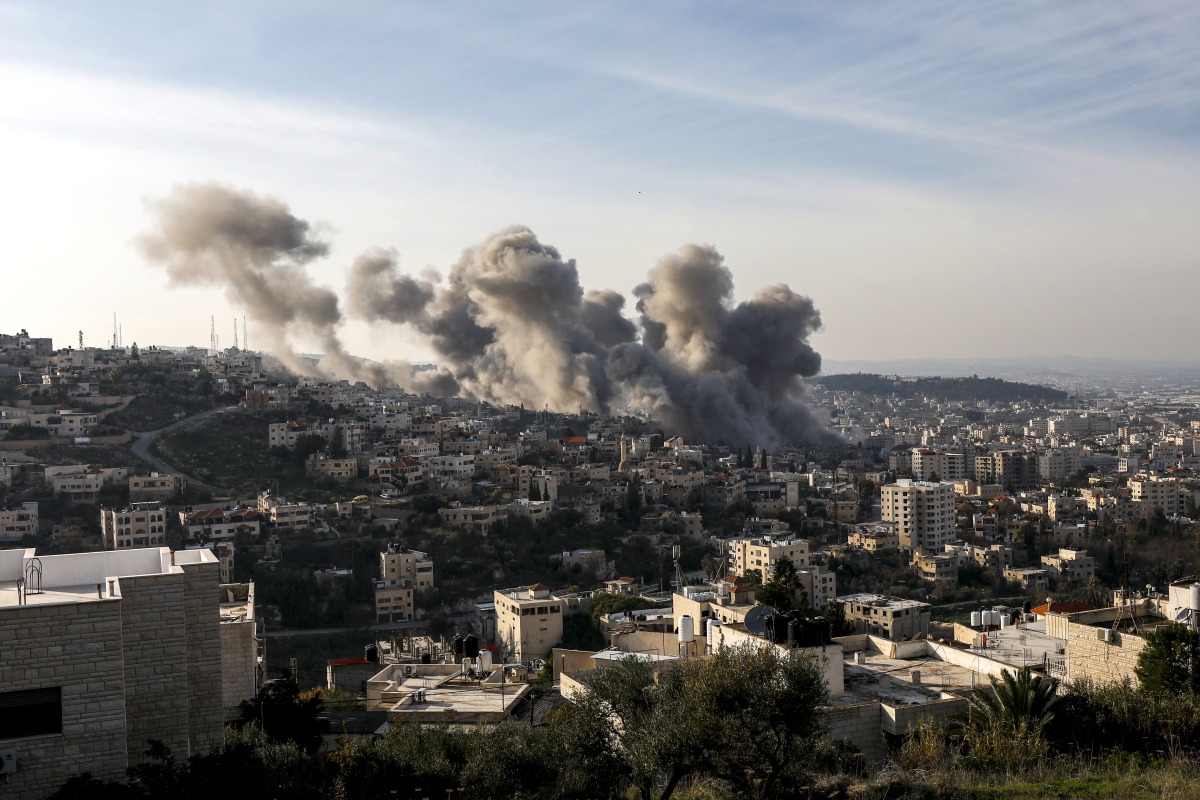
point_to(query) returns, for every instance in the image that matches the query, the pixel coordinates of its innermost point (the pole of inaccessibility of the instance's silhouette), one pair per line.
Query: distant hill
(972, 388)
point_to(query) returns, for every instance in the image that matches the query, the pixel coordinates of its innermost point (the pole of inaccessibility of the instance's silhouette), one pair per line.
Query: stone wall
(76, 647)
(239, 665)
(202, 621)
(152, 616)
(1090, 658)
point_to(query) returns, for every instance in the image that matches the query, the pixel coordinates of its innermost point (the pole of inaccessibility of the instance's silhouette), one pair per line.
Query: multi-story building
(1028, 578)
(922, 512)
(145, 625)
(155, 487)
(279, 513)
(81, 482)
(763, 553)
(138, 525)
(480, 518)
(937, 567)
(19, 522)
(219, 525)
(889, 617)
(1058, 464)
(403, 574)
(529, 621)
(1152, 494)
(819, 585)
(338, 470)
(1069, 565)
(874, 538)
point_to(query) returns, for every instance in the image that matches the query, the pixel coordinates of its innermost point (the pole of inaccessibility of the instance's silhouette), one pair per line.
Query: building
(1069, 565)
(81, 482)
(764, 552)
(144, 628)
(155, 487)
(874, 537)
(1153, 494)
(529, 621)
(403, 574)
(937, 567)
(1028, 578)
(138, 525)
(279, 513)
(819, 585)
(219, 525)
(889, 617)
(592, 562)
(922, 512)
(479, 518)
(18, 522)
(338, 470)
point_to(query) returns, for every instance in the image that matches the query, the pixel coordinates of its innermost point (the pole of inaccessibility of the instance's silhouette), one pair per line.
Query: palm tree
(1006, 724)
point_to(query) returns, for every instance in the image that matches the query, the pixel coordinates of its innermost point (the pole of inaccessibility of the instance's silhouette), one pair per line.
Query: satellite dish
(756, 620)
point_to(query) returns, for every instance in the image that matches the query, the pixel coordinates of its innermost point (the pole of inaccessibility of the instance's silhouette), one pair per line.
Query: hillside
(938, 388)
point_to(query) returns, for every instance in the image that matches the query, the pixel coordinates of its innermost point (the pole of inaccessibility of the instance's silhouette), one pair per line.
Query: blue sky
(943, 179)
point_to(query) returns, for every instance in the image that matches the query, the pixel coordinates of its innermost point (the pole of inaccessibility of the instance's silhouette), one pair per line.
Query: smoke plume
(256, 249)
(511, 323)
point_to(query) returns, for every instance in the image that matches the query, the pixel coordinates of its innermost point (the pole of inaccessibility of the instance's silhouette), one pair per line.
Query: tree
(746, 716)
(1006, 725)
(1170, 661)
(285, 714)
(782, 590)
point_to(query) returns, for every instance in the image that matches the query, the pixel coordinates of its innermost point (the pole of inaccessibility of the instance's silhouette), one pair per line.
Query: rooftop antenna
(81, 340)
(115, 336)
(235, 339)
(212, 334)
(121, 335)
(245, 338)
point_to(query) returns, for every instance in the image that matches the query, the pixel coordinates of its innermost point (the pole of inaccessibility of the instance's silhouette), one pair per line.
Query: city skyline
(940, 181)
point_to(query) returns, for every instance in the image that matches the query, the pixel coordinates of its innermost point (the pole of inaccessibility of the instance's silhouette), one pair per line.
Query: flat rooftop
(891, 680)
(84, 577)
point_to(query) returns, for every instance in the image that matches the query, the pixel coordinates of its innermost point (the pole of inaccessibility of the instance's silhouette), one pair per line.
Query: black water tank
(457, 645)
(371, 653)
(425, 659)
(471, 646)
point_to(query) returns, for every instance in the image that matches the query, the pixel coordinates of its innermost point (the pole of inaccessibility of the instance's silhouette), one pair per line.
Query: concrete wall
(76, 647)
(900, 719)
(1102, 662)
(239, 666)
(968, 659)
(858, 724)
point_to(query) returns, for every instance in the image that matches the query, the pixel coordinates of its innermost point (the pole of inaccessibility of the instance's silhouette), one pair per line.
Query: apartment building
(155, 487)
(82, 482)
(18, 522)
(874, 538)
(1069, 565)
(1152, 494)
(137, 525)
(403, 573)
(889, 617)
(922, 512)
(937, 567)
(219, 525)
(144, 625)
(763, 553)
(279, 513)
(819, 585)
(479, 518)
(338, 470)
(529, 621)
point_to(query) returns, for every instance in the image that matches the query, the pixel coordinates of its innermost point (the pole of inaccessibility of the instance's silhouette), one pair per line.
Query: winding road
(141, 445)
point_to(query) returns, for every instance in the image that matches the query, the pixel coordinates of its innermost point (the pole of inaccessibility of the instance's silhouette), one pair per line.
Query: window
(31, 712)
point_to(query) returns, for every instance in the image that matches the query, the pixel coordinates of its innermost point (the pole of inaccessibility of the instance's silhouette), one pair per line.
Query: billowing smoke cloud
(512, 324)
(256, 249)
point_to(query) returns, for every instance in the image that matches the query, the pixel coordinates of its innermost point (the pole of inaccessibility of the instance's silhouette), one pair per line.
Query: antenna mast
(235, 339)
(245, 338)
(81, 340)
(212, 334)
(116, 338)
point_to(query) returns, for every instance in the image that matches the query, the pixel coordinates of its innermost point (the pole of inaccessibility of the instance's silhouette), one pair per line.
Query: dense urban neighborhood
(409, 591)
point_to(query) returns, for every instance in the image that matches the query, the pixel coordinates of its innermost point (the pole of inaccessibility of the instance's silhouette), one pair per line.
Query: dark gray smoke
(254, 247)
(512, 324)
(515, 326)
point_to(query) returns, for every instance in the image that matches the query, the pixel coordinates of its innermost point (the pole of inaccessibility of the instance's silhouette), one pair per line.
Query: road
(141, 445)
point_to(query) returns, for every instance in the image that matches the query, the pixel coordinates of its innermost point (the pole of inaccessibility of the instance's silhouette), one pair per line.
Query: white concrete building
(922, 512)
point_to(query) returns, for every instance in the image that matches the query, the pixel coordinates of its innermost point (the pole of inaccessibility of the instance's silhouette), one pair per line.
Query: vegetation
(1170, 661)
(163, 396)
(943, 389)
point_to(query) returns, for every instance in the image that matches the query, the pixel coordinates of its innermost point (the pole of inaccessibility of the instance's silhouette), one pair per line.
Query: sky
(942, 179)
